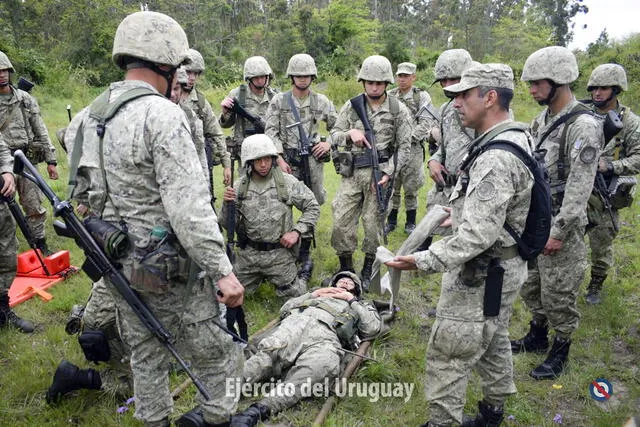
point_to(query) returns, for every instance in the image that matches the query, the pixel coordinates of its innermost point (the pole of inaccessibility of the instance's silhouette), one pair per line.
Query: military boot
(410, 225)
(555, 362)
(367, 269)
(425, 245)
(487, 416)
(593, 291)
(304, 258)
(69, 377)
(392, 221)
(42, 245)
(346, 263)
(251, 416)
(194, 418)
(9, 318)
(536, 340)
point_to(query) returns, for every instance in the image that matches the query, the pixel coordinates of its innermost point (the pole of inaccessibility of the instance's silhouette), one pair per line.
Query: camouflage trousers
(8, 248)
(355, 199)
(300, 350)
(277, 266)
(464, 340)
(100, 315)
(317, 178)
(551, 289)
(601, 238)
(188, 312)
(411, 177)
(31, 201)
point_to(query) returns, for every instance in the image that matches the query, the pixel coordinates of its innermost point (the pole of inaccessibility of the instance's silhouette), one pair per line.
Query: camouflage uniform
(22, 127)
(261, 219)
(463, 338)
(304, 347)
(314, 108)
(411, 177)
(8, 241)
(151, 166)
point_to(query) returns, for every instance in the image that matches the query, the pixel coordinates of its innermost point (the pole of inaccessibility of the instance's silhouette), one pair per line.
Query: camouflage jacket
(312, 109)
(498, 191)
(584, 141)
(262, 217)
(421, 125)
(22, 127)
(456, 139)
(624, 149)
(153, 174)
(6, 161)
(392, 133)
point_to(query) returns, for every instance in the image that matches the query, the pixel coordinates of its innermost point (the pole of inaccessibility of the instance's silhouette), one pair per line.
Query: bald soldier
(480, 258)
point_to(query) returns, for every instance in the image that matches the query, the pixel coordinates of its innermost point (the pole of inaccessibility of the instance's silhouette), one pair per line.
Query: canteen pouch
(622, 196)
(157, 263)
(493, 288)
(344, 165)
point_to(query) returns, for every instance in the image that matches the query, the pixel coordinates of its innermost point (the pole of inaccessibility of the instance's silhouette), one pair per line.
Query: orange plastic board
(28, 262)
(24, 288)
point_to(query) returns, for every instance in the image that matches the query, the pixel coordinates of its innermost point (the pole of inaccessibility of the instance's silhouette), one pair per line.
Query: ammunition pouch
(623, 192)
(158, 263)
(344, 164)
(113, 241)
(95, 346)
(346, 326)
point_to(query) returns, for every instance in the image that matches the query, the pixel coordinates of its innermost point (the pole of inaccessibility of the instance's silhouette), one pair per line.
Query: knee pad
(95, 346)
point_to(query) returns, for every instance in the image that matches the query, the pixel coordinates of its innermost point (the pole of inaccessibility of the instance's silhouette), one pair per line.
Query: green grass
(607, 343)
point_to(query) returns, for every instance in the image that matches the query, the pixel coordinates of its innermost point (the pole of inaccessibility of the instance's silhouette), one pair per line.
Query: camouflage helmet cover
(302, 64)
(555, 63)
(181, 76)
(376, 68)
(256, 66)
(196, 63)
(353, 276)
(608, 75)
(256, 147)
(451, 64)
(150, 36)
(5, 64)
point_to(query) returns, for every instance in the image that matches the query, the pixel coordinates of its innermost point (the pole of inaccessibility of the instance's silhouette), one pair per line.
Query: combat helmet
(376, 68)
(256, 66)
(302, 64)
(555, 63)
(353, 276)
(150, 36)
(5, 64)
(181, 76)
(451, 64)
(256, 147)
(606, 75)
(196, 63)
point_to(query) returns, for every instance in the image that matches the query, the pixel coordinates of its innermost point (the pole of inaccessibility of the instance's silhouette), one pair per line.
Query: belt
(263, 246)
(364, 160)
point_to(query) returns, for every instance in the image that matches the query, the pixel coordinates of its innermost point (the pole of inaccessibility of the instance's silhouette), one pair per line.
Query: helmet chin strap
(552, 93)
(167, 75)
(614, 92)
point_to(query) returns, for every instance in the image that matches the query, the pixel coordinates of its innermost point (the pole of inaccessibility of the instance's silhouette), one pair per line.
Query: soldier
(267, 235)
(8, 241)
(572, 144)
(621, 156)
(468, 334)
(22, 127)
(255, 100)
(425, 118)
(453, 138)
(303, 348)
(290, 114)
(356, 197)
(150, 174)
(196, 101)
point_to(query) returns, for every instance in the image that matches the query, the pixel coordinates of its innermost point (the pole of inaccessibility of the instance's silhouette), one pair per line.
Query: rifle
(435, 114)
(208, 151)
(382, 196)
(231, 222)
(257, 122)
(23, 225)
(97, 264)
(601, 189)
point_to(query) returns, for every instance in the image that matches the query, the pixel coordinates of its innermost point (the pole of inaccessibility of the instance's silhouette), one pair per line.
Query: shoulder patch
(577, 144)
(588, 154)
(486, 190)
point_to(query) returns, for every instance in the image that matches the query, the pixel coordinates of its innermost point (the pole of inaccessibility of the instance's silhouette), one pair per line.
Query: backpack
(537, 227)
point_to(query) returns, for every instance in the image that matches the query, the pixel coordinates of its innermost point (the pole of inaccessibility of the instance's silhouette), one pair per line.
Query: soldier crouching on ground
(306, 345)
(267, 235)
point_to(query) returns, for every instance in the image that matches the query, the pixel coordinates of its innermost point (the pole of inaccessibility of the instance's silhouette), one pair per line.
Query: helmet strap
(167, 75)
(552, 93)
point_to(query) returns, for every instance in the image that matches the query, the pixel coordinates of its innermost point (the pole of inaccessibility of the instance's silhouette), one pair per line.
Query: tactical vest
(345, 322)
(5, 124)
(285, 108)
